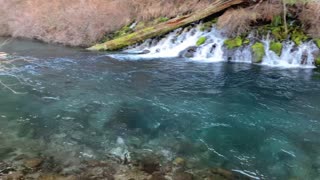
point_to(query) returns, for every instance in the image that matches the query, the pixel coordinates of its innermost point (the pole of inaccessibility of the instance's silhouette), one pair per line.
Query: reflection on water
(254, 119)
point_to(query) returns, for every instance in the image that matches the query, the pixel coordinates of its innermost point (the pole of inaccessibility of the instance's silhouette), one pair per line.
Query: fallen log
(163, 28)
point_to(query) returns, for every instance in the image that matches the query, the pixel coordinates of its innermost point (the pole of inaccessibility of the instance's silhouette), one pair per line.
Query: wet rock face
(189, 52)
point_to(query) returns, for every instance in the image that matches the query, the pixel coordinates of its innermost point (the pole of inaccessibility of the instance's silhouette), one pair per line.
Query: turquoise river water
(258, 120)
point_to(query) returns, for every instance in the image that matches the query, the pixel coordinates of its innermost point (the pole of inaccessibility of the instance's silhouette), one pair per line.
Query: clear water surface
(73, 104)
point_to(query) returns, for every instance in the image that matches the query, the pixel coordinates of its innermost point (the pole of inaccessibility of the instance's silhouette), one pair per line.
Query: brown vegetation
(310, 17)
(83, 22)
(238, 21)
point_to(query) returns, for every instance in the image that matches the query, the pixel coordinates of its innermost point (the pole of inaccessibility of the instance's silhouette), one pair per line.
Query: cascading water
(182, 43)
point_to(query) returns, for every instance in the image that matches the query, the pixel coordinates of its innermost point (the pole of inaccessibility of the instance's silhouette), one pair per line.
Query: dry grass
(237, 21)
(82, 22)
(310, 18)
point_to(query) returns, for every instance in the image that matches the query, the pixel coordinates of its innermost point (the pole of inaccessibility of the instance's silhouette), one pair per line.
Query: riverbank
(83, 23)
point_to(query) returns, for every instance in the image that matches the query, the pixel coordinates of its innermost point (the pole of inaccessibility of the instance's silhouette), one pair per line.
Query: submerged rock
(56, 177)
(158, 176)
(33, 163)
(183, 176)
(149, 165)
(180, 162)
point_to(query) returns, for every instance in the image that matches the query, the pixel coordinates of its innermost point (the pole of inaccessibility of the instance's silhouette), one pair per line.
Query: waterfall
(182, 43)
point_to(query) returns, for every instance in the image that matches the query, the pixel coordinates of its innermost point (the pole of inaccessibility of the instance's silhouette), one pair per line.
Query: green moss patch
(162, 19)
(233, 43)
(258, 52)
(317, 41)
(298, 36)
(276, 47)
(201, 41)
(279, 33)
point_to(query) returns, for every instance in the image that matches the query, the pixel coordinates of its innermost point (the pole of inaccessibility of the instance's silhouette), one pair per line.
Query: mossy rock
(276, 47)
(258, 52)
(298, 36)
(233, 43)
(317, 61)
(317, 41)
(208, 25)
(201, 41)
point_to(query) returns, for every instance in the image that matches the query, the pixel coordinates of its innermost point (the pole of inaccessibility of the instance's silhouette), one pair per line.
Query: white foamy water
(183, 41)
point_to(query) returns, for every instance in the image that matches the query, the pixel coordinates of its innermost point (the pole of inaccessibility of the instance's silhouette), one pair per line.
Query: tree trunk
(163, 28)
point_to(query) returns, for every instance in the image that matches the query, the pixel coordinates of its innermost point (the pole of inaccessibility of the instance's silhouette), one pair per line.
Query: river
(73, 104)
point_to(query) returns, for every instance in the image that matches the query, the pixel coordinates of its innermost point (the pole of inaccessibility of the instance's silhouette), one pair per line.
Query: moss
(246, 41)
(258, 52)
(279, 33)
(201, 41)
(298, 36)
(123, 31)
(233, 43)
(276, 47)
(276, 21)
(317, 41)
(162, 19)
(317, 62)
(140, 25)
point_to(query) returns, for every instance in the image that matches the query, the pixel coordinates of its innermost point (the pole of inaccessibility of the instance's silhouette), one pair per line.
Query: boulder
(189, 52)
